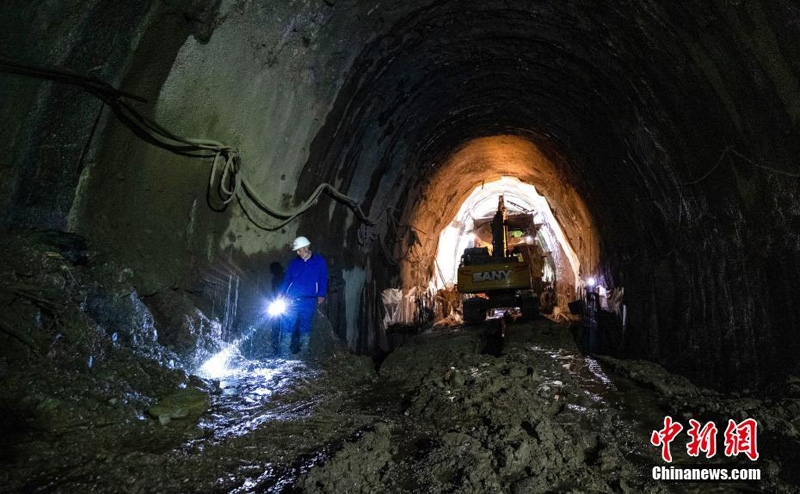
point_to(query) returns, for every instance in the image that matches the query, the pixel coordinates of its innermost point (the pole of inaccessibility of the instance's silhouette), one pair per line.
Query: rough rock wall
(44, 150)
(642, 97)
(263, 82)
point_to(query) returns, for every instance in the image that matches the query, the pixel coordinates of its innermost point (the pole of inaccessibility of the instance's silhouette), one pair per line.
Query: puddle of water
(281, 480)
(586, 371)
(246, 398)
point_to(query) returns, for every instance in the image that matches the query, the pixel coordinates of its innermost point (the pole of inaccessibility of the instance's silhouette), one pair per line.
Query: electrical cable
(765, 167)
(226, 166)
(226, 159)
(731, 150)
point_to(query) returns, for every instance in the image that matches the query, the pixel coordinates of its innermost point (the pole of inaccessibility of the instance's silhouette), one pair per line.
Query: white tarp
(400, 307)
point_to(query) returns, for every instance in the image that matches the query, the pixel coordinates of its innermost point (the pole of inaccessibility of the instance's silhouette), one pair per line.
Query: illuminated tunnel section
(468, 185)
(561, 264)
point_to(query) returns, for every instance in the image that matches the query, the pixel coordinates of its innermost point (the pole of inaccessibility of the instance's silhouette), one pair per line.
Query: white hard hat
(300, 242)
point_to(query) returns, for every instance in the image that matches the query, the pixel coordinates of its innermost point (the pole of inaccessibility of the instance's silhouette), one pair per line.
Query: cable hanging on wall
(226, 159)
(225, 177)
(732, 151)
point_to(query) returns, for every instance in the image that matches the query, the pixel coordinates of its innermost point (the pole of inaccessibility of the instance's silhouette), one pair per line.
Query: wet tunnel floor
(441, 416)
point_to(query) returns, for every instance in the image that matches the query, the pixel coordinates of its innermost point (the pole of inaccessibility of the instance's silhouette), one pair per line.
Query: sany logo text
(491, 275)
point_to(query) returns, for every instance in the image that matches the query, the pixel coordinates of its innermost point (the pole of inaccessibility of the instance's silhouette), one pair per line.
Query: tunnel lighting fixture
(590, 282)
(277, 307)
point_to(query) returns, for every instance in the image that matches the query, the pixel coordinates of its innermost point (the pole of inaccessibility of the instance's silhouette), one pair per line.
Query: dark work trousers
(296, 325)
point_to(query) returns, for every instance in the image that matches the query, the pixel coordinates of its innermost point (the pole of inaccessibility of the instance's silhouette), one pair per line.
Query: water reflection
(247, 390)
(585, 370)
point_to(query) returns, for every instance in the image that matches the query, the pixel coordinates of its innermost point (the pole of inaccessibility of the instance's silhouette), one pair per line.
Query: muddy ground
(440, 416)
(93, 401)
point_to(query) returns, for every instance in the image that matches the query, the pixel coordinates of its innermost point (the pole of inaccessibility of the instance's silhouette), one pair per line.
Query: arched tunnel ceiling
(606, 93)
(634, 102)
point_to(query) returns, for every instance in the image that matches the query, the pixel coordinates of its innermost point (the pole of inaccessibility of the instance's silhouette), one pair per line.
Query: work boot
(274, 341)
(303, 344)
(285, 346)
(300, 343)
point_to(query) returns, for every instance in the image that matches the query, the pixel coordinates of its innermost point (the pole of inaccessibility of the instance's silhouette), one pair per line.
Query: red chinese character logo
(665, 436)
(741, 438)
(704, 439)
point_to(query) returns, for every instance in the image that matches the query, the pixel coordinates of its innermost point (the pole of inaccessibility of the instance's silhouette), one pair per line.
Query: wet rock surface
(774, 407)
(86, 411)
(538, 418)
(520, 422)
(184, 328)
(80, 360)
(187, 403)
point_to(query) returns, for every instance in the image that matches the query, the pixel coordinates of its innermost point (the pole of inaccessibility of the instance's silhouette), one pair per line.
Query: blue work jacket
(306, 278)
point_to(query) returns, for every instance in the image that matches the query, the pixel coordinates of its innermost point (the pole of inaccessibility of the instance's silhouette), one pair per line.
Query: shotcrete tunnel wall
(641, 98)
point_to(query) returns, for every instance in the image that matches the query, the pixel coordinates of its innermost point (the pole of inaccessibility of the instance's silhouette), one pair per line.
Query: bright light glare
(591, 281)
(277, 307)
(218, 365)
(229, 361)
(528, 239)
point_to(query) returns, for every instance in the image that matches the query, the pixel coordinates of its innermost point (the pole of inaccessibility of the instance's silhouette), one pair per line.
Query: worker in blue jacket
(305, 286)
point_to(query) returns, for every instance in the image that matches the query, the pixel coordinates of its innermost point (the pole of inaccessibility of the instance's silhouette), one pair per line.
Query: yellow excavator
(505, 277)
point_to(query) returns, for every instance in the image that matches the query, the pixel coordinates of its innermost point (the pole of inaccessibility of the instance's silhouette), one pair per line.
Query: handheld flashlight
(277, 307)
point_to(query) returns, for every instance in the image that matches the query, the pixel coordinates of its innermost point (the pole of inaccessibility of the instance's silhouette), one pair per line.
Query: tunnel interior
(160, 157)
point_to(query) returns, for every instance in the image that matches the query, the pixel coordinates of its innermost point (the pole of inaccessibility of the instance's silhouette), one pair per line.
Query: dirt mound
(478, 423)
